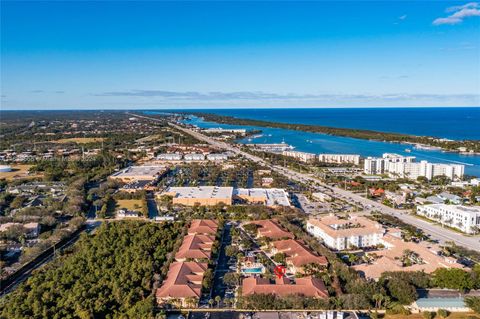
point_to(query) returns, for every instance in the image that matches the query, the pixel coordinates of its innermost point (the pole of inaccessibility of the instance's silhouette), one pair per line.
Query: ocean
(393, 120)
(456, 123)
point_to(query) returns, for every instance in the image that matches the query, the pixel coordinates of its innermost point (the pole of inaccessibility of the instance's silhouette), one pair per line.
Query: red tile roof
(297, 254)
(307, 286)
(195, 247)
(203, 226)
(184, 279)
(271, 229)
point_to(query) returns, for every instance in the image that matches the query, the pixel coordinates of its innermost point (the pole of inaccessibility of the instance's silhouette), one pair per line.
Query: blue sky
(57, 55)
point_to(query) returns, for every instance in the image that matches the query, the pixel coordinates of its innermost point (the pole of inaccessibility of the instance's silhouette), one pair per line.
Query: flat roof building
(265, 196)
(465, 218)
(134, 173)
(202, 195)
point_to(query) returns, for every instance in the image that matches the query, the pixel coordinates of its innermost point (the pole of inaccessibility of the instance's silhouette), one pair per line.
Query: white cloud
(459, 13)
(403, 17)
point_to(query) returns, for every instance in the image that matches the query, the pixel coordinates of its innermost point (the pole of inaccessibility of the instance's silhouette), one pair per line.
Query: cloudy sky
(58, 55)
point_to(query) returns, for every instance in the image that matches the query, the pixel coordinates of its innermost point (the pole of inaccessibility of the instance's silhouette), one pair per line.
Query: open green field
(79, 140)
(130, 204)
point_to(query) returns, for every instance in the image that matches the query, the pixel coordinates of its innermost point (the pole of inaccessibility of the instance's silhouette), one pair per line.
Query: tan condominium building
(183, 283)
(306, 286)
(266, 196)
(201, 195)
(271, 229)
(399, 255)
(345, 233)
(137, 173)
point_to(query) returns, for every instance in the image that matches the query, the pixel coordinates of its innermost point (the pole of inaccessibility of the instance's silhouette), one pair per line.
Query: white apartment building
(339, 158)
(194, 157)
(304, 157)
(217, 157)
(406, 167)
(225, 130)
(340, 234)
(169, 157)
(461, 217)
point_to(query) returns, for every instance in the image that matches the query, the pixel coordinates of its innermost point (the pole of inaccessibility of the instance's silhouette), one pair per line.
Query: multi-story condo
(406, 167)
(304, 157)
(169, 157)
(340, 234)
(467, 219)
(339, 158)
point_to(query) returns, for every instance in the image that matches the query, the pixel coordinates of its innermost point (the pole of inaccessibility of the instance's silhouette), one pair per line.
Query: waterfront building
(464, 218)
(406, 167)
(302, 156)
(345, 233)
(339, 158)
(219, 130)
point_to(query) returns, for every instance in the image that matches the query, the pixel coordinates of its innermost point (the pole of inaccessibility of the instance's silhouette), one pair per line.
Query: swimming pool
(255, 270)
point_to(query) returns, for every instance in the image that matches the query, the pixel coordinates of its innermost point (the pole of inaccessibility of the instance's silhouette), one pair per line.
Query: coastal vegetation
(447, 145)
(110, 274)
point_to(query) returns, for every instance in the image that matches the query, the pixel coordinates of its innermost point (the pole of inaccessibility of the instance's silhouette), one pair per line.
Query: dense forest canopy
(108, 275)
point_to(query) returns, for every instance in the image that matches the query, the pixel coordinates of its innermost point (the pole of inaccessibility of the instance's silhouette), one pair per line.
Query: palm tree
(218, 299)
(378, 298)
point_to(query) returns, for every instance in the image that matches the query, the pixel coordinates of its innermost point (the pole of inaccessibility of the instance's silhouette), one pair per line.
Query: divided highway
(436, 232)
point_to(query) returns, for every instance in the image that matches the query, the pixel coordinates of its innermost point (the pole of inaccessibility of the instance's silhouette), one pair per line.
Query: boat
(408, 150)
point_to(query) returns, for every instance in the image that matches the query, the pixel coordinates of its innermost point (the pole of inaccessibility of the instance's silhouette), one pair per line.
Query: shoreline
(424, 142)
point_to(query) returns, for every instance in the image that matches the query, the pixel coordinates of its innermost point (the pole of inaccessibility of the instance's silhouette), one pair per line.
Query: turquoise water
(322, 143)
(257, 270)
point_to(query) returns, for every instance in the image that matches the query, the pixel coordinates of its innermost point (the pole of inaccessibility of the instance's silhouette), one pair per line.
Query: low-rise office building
(135, 173)
(266, 196)
(464, 218)
(202, 195)
(339, 234)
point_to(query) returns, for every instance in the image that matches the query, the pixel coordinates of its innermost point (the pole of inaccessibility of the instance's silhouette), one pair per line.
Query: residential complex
(339, 158)
(406, 167)
(465, 218)
(271, 229)
(400, 255)
(297, 255)
(307, 286)
(344, 233)
(302, 156)
(185, 275)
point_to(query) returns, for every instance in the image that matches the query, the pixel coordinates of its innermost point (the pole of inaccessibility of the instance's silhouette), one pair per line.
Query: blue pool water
(257, 270)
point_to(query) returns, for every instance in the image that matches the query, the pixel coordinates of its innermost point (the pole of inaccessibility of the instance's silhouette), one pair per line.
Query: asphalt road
(436, 232)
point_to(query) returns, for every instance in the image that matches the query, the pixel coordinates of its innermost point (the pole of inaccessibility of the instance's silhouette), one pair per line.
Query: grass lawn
(129, 204)
(79, 140)
(18, 171)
